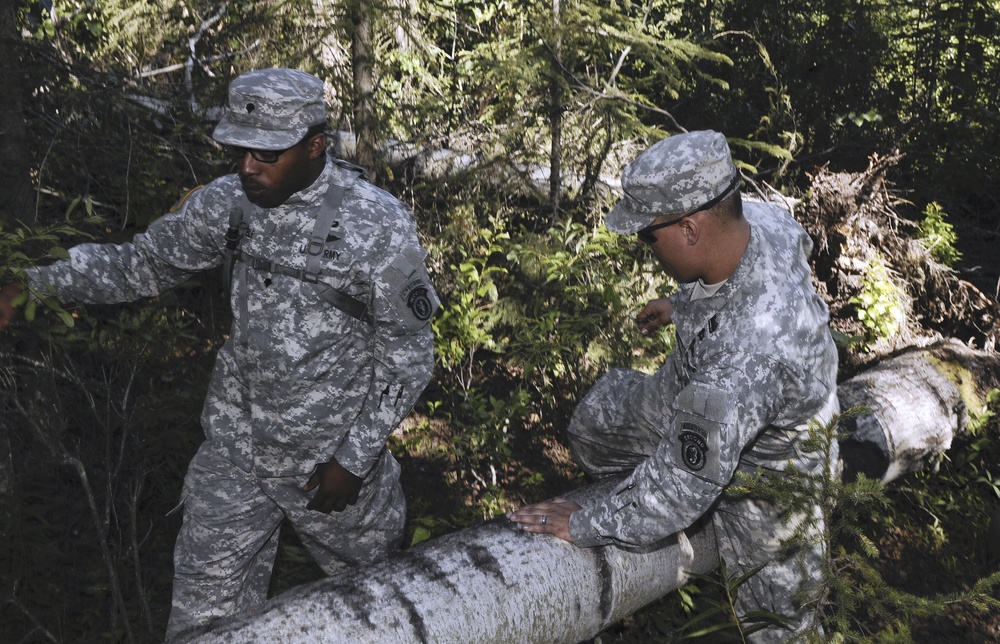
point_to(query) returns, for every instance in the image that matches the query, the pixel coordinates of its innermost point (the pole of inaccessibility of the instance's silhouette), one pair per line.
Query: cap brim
(625, 221)
(228, 133)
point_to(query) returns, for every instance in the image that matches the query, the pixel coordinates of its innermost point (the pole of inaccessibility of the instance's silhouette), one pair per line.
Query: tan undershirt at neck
(703, 290)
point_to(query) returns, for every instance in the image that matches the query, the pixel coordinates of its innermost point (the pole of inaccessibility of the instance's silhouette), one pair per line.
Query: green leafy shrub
(573, 306)
(938, 236)
(23, 247)
(467, 317)
(528, 321)
(879, 305)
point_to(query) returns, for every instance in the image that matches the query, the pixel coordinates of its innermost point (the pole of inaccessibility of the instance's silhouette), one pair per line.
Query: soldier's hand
(655, 314)
(338, 488)
(550, 517)
(8, 313)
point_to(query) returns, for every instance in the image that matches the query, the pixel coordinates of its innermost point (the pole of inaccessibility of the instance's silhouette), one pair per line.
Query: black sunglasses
(237, 153)
(646, 234)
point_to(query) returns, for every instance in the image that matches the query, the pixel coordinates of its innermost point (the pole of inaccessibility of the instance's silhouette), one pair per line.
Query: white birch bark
(493, 583)
(920, 402)
(488, 583)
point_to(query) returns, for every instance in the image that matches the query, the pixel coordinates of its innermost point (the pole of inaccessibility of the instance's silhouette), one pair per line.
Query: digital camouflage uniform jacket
(298, 381)
(754, 364)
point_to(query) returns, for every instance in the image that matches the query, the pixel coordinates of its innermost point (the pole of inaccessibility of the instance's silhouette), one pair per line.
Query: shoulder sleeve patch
(411, 294)
(700, 427)
(183, 200)
(417, 296)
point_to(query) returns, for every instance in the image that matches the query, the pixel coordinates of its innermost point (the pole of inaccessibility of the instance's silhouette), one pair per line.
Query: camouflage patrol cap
(271, 109)
(676, 175)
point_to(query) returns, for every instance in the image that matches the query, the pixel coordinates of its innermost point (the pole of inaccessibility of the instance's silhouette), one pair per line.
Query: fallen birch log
(492, 583)
(488, 583)
(920, 401)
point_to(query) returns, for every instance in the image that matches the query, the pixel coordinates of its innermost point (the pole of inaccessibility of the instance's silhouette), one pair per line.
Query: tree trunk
(364, 83)
(920, 401)
(493, 583)
(488, 583)
(16, 194)
(330, 52)
(555, 114)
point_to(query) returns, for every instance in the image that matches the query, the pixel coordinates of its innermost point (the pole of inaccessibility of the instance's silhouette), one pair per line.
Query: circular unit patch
(420, 304)
(694, 450)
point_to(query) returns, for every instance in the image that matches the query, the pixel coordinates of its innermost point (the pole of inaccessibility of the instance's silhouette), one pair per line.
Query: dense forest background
(504, 126)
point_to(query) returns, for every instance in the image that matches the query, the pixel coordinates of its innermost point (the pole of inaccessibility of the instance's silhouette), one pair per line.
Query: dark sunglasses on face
(237, 153)
(646, 234)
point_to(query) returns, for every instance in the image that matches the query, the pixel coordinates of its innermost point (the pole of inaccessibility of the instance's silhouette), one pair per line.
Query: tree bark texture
(556, 114)
(364, 82)
(488, 583)
(919, 402)
(493, 583)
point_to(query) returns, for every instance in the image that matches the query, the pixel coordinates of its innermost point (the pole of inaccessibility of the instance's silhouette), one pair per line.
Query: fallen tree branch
(492, 583)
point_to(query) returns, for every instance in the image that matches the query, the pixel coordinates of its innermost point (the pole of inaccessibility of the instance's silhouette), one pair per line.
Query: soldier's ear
(317, 146)
(691, 231)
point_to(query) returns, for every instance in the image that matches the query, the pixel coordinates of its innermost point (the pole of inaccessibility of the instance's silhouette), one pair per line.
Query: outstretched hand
(338, 488)
(655, 314)
(8, 313)
(550, 517)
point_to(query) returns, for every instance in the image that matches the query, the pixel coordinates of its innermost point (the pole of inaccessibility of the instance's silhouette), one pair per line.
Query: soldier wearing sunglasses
(754, 366)
(330, 346)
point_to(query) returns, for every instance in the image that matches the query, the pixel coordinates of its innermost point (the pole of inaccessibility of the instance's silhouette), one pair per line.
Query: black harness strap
(346, 303)
(317, 245)
(233, 238)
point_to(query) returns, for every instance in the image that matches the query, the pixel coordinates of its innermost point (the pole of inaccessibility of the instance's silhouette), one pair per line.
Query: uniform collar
(699, 312)
(313, 195)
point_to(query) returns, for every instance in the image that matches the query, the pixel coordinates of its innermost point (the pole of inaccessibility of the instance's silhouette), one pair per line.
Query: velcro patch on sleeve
(700, 422)
(412, 294)
(402, 264)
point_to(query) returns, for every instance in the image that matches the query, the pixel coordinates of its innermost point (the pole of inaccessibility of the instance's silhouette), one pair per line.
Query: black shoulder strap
(317, 245)
(233, 238)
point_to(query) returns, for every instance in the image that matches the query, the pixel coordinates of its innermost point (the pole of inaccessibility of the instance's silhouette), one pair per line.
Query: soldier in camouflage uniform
(754, 364)
(329, 349)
